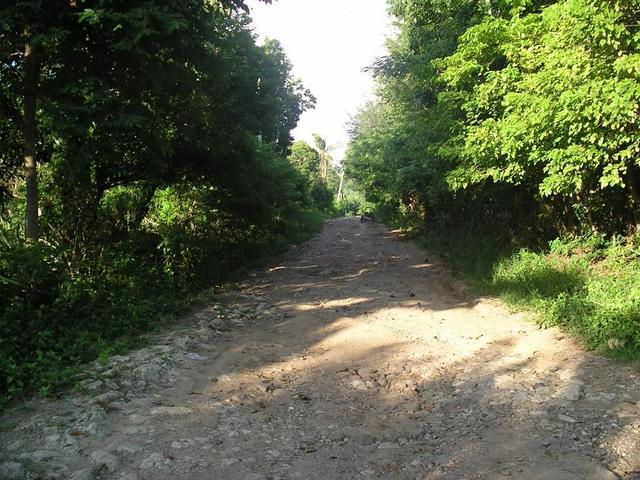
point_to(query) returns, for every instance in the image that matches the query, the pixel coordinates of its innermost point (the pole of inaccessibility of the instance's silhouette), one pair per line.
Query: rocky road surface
(355, 357)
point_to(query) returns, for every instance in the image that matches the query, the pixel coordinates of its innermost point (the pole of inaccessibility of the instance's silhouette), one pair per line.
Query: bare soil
(355, 357)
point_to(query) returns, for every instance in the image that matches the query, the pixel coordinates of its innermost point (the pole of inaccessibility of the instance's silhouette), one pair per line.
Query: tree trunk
(30, 131)
(569, 221)
(142, 209)
(341, 185)
(323, 166)
(634, 195)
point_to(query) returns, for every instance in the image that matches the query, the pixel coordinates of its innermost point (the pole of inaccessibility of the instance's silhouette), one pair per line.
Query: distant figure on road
(366, 217)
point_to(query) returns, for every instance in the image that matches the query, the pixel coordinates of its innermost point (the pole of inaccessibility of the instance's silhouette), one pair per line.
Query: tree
(30, 129)
(324, 156)
(281, 99)
(240, 4)
(307, 161)
(562, 119)
(24, 36)
(102, 80)
(479, 101)
(161, 131)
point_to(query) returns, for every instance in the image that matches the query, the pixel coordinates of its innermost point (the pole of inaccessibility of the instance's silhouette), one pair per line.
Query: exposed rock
(571, 392)
(52, 440)
(69, 440)
(599, 472)
(148, 373)
(92, 385)
(107, 397)
(179, 444)
(104, 460)
(44, 455)
(86, 474)
(566, 418)
(17, 445)
(504, 382)
(12, 471)
(195, 356)
(358, 384)
(171, 411)
(155, 460)
(137, 429)
(388, 446)
(127, 449)
(138, 419)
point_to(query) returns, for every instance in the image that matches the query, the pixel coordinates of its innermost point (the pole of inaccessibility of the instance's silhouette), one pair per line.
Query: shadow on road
(372, 366)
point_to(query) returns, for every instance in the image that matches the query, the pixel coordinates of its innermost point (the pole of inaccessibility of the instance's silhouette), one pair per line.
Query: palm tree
(325, 158)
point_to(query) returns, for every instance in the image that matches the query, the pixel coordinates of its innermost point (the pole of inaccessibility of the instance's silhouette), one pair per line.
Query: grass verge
(588, 286)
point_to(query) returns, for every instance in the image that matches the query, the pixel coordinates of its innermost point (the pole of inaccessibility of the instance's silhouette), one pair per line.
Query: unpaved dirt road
(352, 358)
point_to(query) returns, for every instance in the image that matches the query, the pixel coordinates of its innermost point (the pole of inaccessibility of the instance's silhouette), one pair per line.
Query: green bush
(53, 317)
(149, 189)
(60, 308)
(592, 290)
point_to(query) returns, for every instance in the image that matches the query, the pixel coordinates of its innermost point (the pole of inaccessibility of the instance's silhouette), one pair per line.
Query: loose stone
(12, 471)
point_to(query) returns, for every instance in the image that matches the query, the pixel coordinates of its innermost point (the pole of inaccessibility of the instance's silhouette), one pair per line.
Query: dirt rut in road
(353, 358)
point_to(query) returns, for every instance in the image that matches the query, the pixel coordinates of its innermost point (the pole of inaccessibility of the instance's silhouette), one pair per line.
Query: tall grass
(588, 286)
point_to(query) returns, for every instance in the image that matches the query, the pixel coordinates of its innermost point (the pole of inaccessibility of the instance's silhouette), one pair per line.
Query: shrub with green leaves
(157, 137)
(552, 99)
(542, 96)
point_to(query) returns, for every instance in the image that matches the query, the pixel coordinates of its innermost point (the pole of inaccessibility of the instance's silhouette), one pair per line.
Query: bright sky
(329, 43)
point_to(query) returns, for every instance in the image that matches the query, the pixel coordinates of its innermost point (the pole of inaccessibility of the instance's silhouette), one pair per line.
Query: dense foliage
(510, 120)
(308, 163)
(519, 100)
(154, 137)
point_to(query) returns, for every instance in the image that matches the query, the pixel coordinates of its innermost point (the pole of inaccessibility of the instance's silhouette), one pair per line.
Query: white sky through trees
(329, 42)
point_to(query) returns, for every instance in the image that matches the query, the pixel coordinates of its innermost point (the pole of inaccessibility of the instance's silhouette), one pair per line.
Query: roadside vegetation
(145, 157)
(589, 286)
(505, 135)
